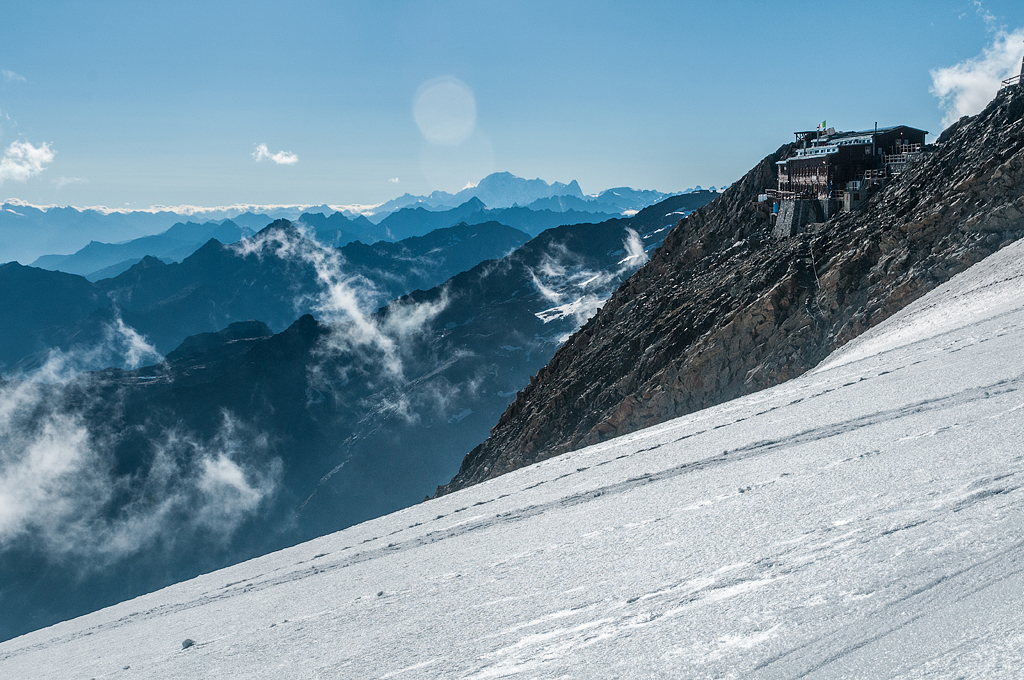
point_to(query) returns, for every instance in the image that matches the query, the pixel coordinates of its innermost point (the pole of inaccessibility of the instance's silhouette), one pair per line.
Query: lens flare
(445, 111)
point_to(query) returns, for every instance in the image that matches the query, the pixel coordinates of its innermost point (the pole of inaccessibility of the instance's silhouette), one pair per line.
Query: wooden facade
(826, 163)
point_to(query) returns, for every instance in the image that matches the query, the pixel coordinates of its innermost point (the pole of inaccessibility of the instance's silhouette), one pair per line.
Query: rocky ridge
(723, 310)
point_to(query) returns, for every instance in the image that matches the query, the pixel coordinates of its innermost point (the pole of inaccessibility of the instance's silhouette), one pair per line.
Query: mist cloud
(120, 346)
(346, 301)
(59, 484)
(635, 253)
(562, 275)
(61, 490)
(964, 89)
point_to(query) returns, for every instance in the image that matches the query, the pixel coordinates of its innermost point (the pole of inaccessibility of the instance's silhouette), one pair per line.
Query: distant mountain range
(43, 234)
(412, 221)
(275, 276)
(166, 301)
(98, 261)
(541, 214)
(505, 190)
(498, 190)
(105, 260)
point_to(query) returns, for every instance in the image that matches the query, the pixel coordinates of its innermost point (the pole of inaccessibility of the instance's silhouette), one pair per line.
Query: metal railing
(784, 194)
(905, 155)
(909, 157)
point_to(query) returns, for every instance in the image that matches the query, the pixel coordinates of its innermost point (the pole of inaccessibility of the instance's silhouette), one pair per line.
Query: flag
(822, 126)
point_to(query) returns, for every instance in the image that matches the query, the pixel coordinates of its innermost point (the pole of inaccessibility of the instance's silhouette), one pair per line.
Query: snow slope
(863, 521)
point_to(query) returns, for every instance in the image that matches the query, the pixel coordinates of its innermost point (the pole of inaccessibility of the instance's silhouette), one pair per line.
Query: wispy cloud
(964, 89)
(62, 182)
(10, 76)
(119, 345)
(345, 301)
(562, 275)
(634, 247)
(991, 23)
(281, 157)
(22, 160)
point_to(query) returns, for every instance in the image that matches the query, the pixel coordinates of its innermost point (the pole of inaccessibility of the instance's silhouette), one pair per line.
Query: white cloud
(990, 19)
(22, 160)
(132, 346)
(393, 180)
(11, 76)
(281, 157)
(966, 88)
(230, 491)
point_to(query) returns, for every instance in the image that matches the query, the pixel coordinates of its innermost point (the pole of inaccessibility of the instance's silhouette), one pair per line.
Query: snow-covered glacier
(863, 521)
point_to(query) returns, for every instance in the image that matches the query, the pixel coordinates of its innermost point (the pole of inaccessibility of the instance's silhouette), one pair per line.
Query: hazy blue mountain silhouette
(505, 190)
(498, 190)
(32, 232)
(338, 230)
(29, 231)
(217, 285)
(419, 220)
(616, 201)
(174, 244)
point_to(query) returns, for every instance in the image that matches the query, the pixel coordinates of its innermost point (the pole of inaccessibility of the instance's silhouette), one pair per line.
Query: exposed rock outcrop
(722, 309)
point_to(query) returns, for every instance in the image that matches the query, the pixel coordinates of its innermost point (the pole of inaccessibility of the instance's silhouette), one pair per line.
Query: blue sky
(166, 103)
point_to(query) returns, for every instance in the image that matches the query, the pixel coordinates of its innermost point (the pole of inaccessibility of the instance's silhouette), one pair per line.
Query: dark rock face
(723, 310)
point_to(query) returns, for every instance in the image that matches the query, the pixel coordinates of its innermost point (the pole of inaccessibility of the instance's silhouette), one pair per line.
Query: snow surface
(863, 521)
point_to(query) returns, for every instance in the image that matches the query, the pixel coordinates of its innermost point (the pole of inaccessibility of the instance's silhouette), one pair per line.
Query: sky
(130, 105)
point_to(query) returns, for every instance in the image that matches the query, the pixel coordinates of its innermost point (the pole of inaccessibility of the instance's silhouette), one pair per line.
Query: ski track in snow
(863, 521)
